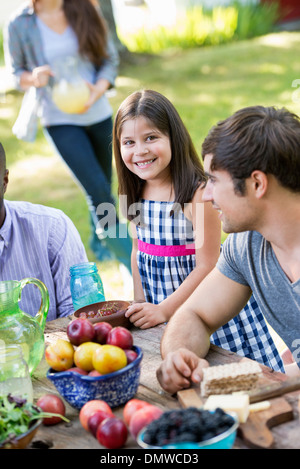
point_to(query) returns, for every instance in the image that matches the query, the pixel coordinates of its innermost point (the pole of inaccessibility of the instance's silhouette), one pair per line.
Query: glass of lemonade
(14, 373)
(70, 91)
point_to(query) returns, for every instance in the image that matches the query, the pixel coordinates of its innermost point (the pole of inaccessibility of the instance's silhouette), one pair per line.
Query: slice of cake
(224, 379)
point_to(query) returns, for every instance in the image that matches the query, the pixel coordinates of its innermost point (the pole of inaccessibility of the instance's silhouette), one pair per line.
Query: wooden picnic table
(73, 436)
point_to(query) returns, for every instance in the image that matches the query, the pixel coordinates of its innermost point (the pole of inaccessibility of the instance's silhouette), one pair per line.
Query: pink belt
(166, 251)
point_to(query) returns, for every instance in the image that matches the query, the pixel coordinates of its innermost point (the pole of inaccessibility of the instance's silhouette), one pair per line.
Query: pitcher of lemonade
(18, 327)
(70, 92)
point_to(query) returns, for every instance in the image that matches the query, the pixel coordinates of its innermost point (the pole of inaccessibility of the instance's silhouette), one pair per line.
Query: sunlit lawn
(205, 84)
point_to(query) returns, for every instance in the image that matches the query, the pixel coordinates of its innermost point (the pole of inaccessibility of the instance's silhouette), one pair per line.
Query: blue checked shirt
(40, 242)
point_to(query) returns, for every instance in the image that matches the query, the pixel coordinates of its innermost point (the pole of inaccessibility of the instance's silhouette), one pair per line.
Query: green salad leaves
(17, 416)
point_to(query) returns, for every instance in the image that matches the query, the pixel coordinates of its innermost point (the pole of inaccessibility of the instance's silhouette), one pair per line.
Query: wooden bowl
(22, 441)
(117, 318)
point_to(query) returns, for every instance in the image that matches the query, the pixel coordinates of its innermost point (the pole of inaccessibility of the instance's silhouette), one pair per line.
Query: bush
(199, 27)
(1, 49)
(255, 19)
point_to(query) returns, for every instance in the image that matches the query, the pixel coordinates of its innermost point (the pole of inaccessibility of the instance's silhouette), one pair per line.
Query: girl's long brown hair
(89, 27)
(186, 168)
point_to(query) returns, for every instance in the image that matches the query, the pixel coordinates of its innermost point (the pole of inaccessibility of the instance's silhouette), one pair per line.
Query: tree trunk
(107, 10)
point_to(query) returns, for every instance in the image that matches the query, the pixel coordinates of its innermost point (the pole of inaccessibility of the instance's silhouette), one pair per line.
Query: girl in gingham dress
(176, 237)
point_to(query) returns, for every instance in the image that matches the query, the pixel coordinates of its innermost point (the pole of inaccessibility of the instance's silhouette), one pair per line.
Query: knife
(274, 390)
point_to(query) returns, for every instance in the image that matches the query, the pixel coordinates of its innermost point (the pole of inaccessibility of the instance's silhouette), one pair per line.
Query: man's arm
(186, 340)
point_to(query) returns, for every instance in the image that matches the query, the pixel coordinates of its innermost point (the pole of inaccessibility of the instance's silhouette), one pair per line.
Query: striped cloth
(40, 242)
(162, 273)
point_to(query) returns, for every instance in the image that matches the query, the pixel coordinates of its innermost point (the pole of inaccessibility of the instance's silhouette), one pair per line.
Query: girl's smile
(145, 164)
(145, 150)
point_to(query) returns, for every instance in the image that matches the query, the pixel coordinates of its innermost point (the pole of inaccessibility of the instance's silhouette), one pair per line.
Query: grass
(205, 84)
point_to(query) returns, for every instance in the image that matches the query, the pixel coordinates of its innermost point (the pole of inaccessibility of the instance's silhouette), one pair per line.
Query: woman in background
(38, 37)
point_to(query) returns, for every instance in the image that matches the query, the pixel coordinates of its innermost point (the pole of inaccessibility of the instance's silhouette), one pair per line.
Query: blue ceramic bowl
(114, 388)
(224, 440)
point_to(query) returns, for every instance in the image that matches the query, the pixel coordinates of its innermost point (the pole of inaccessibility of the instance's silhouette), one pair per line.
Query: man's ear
(5, 180)
(259, 183)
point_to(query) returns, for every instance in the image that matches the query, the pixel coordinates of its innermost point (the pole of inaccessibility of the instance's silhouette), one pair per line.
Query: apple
(131, 355)
(60, 355)
(112, 433)
(54, 404)
(95, 420)
(75, 369)
(80, 330)
(131, 407)
(89, 408)
(121, 337)
(143, 417)
(101, 332)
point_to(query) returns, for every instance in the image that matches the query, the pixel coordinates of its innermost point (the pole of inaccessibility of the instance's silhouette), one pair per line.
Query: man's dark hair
(257, 138)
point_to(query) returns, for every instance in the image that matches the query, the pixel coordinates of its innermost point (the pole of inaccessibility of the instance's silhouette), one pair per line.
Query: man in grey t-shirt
(252, 162)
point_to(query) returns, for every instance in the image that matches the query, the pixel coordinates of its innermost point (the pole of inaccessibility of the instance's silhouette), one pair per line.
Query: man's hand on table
(179, 369)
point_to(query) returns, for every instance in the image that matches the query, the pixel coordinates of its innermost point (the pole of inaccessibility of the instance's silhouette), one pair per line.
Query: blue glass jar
(86, 285)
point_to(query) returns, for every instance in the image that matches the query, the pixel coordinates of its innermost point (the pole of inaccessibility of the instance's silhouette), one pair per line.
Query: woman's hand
(145, 315)
(179, 369)
(96, 91)
(38, 78)
(41, 75)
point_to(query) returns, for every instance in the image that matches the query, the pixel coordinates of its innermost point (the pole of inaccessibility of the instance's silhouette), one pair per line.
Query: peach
(96, 418)
(90, 408)
(108, 358)
(131, 355)
(80, 330)
(54, 404)
(75, 369)
(131, 407)
(142, 417)
(101, 332)
(112, 433)
(94, 373)
(83, 355)
(121, 337)
(60, 355)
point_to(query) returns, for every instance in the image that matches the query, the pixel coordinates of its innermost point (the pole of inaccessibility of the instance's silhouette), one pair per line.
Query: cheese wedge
(258, 406)
(230, 403)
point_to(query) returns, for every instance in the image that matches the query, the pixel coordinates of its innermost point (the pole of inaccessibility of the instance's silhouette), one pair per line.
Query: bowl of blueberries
(190, 428)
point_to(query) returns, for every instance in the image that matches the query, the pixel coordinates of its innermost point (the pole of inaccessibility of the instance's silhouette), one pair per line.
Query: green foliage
(198, 27)
(255, 19)
(1, 48)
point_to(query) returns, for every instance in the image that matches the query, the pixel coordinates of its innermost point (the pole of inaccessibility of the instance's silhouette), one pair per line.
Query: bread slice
(224, 379)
